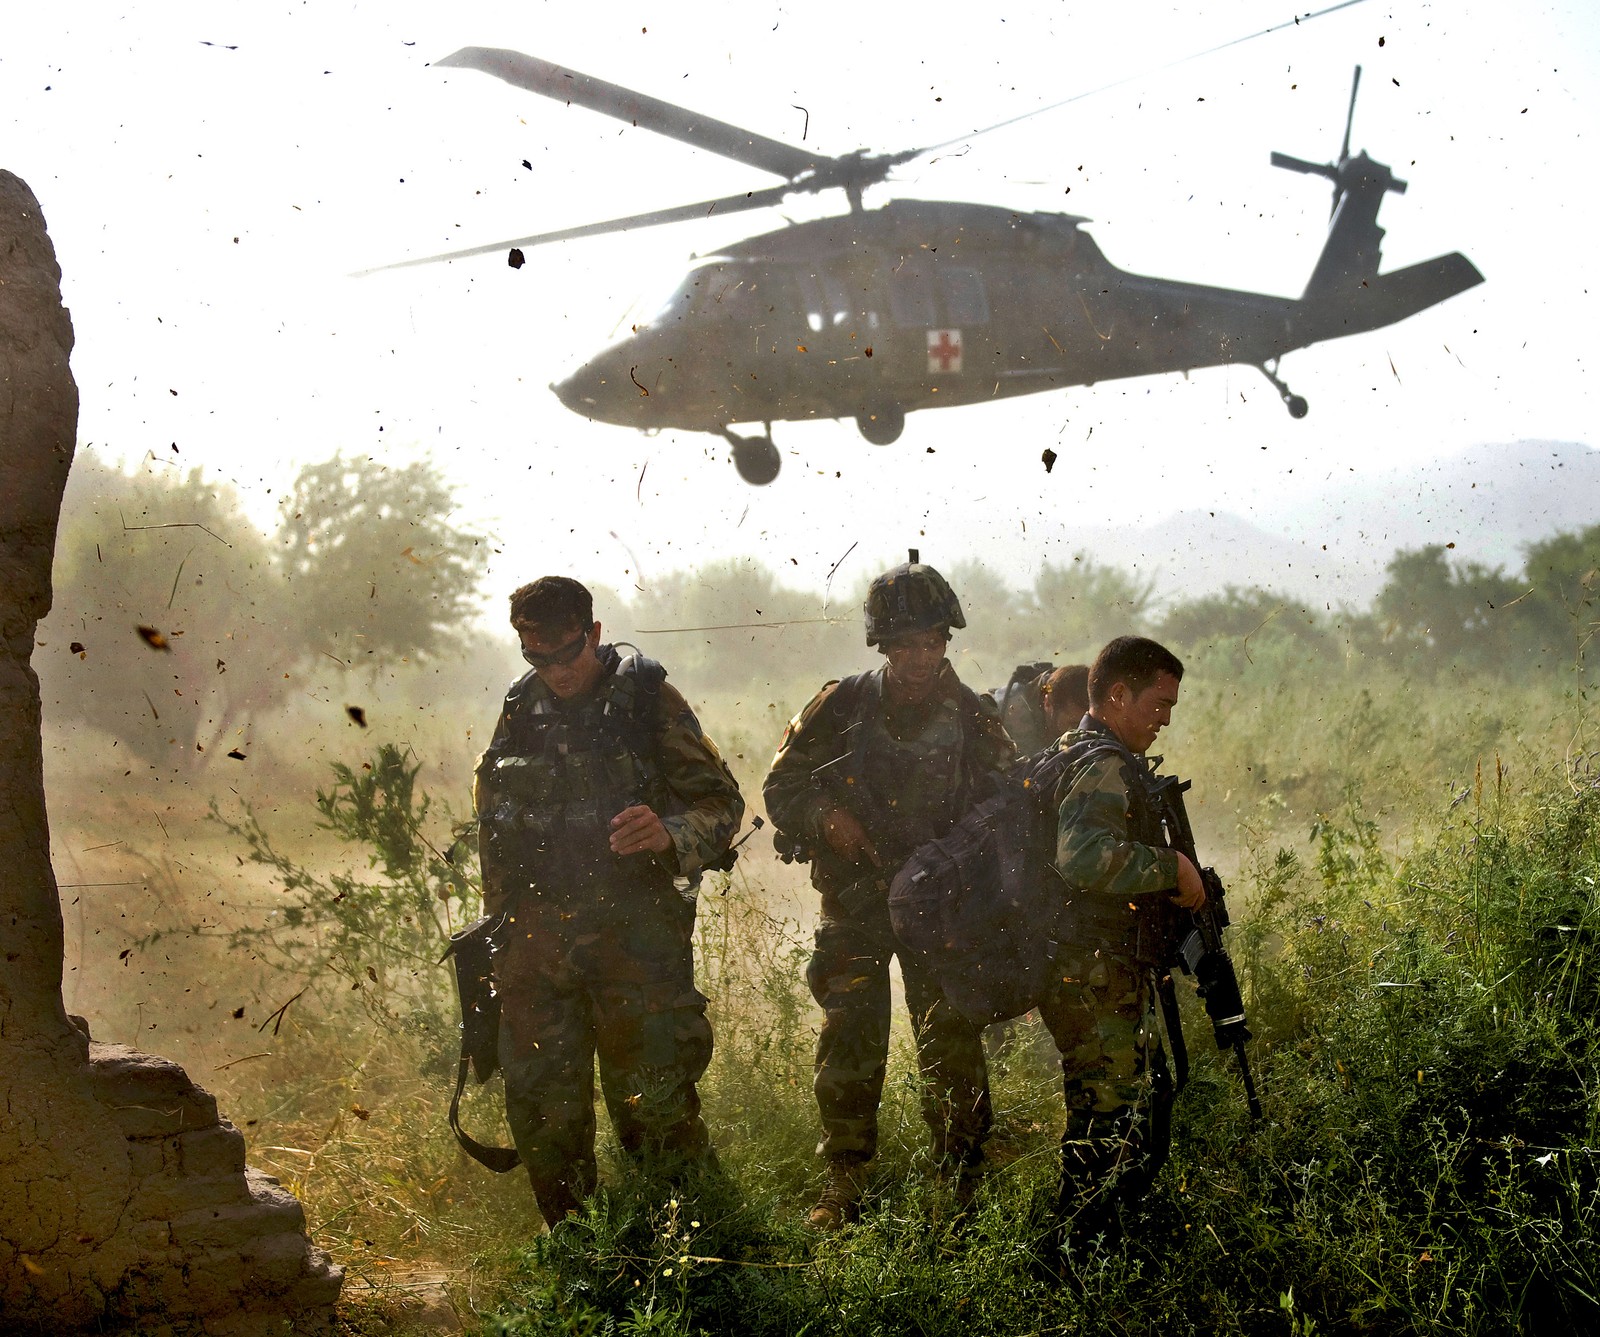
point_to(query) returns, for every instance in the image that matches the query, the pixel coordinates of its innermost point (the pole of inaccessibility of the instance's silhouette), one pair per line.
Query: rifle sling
(1172, 1023)
(498, 1159)
(472, 944)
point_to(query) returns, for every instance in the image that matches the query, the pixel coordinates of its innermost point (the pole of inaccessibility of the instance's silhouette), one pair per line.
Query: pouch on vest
(983, 903)
(472, 950)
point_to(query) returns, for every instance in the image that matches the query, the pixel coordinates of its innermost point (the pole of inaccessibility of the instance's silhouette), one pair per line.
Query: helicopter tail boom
(1384, 299)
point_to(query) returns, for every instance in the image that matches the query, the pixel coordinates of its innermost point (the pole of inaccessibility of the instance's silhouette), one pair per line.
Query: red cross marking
(944, 350)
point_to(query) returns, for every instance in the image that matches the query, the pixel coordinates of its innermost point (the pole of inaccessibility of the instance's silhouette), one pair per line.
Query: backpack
(983, 904)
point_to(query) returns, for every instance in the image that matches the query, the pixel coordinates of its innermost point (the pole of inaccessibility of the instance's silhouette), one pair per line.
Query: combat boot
(556, 1203)
(840, 1203)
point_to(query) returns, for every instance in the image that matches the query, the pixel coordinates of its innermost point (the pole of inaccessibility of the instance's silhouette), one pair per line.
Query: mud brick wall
(223, 1247)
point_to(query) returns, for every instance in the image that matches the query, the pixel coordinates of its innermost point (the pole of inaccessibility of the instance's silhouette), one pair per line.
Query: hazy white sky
(213, 172)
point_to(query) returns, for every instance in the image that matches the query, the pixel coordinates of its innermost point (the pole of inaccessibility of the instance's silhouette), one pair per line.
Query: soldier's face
(914, 662)
(1063, 710)
(564, 658)
(1137, 718)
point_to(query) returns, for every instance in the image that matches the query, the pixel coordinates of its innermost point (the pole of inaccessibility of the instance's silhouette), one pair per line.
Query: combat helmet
(910, 598)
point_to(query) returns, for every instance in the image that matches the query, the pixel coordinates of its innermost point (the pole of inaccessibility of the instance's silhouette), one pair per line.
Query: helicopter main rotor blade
(728, 204)
(665, 118)
(1350, 116)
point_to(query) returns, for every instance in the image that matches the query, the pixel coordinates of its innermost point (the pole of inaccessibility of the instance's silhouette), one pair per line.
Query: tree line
(178, 620)
(731, 622)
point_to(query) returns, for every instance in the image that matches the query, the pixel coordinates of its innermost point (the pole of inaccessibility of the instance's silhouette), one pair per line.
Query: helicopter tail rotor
(1348, 267)
(1301, 165)
(1348, 171)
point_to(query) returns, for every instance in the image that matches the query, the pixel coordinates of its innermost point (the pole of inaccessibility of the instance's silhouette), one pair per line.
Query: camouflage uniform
(596, 953)
(1111, 852)
(906, 775)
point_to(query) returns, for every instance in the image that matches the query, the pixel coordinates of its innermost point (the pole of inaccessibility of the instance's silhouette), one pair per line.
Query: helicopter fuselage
(874, 314)
(922, 304)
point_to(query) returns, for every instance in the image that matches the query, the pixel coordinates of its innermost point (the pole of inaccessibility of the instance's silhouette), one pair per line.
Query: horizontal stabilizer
(1387, 298)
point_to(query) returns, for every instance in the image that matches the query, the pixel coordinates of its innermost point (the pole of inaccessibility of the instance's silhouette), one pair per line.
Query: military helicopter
(875, 313)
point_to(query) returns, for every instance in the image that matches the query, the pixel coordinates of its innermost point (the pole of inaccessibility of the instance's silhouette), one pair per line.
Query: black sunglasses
(558, 658)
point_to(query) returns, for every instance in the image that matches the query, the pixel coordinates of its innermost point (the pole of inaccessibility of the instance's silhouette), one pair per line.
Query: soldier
(1041, 702)
(1038, 705)
(871, 768)
(1112, 854)
(600, 802)
(1019, 704)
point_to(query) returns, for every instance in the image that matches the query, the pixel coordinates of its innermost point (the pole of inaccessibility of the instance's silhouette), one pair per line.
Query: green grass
(1416, 878)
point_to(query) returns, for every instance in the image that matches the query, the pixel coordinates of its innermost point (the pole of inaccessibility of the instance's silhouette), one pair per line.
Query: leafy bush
(382, 936)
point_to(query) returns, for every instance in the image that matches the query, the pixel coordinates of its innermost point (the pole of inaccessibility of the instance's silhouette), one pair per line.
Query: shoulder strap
(1045, 775)
(634, 695)
(846, 697)
(499, 1159)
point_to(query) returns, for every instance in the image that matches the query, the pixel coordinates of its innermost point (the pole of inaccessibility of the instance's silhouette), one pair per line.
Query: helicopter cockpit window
(965, 302)
(734, 289)
(701, 282)
(911, 295)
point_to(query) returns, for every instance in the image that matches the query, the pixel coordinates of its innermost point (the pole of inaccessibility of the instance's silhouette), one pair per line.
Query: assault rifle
(1199, 952)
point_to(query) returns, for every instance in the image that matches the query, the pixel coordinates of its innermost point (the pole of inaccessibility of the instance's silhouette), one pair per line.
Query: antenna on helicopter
(1350, 116)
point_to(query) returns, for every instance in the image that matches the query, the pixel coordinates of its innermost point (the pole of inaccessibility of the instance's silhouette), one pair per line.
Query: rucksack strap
(498, 1159)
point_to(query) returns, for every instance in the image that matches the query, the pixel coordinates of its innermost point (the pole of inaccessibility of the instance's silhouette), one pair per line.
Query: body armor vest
(904, 791)
(557, 774)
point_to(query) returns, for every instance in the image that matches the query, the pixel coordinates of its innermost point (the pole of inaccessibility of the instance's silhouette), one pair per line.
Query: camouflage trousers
(613, 978)
(1118, 1092)
(849, 977)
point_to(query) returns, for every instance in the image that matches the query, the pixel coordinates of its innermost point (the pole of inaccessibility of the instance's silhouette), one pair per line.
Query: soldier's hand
(847, 838)
(1191, 892)
(637, 830)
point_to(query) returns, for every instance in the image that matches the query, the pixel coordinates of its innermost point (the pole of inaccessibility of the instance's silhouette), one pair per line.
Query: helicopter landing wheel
(755, 457)
(882, 426)
(1296, 404)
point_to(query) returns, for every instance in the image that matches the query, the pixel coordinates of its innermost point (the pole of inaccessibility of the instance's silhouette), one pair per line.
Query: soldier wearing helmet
(874, 766)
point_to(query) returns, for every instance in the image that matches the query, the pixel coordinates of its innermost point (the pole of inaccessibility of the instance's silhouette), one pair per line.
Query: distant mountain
(1331, 547)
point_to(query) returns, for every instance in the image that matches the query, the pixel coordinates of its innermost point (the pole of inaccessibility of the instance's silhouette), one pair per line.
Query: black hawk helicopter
(878, 312)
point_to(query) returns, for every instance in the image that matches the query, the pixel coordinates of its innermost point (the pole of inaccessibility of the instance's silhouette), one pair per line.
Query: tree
(375, 564)
(734, 627)
(1241, 614)
(173, 554)
(1463, 615)
(178, 621)
(1563, 574)
(1081, 606)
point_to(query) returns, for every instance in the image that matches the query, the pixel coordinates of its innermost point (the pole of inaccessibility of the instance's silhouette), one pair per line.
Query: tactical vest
(903, 791)
(558, 773)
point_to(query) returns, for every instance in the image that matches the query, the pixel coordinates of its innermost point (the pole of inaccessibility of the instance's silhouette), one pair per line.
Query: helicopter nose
(602, 389)
(573, 392)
